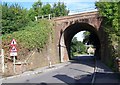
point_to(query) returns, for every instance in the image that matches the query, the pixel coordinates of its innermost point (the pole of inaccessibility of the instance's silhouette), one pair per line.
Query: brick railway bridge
(66, 27)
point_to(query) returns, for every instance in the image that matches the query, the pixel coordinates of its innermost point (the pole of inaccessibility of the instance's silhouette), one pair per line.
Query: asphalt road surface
(80, 70)
(71, 73)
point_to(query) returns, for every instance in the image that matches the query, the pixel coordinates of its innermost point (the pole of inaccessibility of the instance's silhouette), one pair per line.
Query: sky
(75, 6)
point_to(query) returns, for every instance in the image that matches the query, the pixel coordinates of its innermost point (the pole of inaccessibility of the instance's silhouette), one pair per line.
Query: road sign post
(14, 64)
(13, 53)
(2, 58)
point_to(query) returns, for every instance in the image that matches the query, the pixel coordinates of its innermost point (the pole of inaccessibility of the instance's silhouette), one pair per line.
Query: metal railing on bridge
(50, 16)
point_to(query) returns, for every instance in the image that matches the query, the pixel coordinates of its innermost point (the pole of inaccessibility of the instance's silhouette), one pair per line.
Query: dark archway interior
(73, 29)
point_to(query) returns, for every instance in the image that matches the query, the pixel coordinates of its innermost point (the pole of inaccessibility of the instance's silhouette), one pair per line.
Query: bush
(34, 36)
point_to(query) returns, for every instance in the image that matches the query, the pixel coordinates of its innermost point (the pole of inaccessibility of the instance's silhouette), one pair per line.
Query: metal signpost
(13, 52)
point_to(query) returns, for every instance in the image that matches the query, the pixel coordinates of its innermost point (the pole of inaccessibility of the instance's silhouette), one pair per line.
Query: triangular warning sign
(13, 42)
(13, 49)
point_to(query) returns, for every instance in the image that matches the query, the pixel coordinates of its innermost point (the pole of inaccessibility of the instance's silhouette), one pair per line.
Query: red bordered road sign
(13, 49)
(13, 42)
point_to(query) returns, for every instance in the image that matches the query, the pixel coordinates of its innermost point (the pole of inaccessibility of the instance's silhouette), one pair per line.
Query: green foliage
(13, 18)
(59, 9)
(73, 45)
(20, 24)
(46, 9)
(86, 35)
(77, 47)
(0, 18)
(90, 38)
(34, 36)
(31, 14)
(110, 10)
(37, 7)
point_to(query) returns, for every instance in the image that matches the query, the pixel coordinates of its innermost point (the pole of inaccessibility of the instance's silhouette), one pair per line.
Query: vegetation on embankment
(34, 37)
(110, 11)
(19, 23)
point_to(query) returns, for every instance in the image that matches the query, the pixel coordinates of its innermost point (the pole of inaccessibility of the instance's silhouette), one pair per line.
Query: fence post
(49, 16)
(42, 16)
(35, 18)
(2, 56)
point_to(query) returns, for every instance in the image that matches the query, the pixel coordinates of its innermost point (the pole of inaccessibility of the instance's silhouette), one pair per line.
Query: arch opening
(69, 33)
(82, 45)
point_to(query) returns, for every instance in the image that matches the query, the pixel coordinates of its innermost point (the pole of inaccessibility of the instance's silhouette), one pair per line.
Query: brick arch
(69, 33)
(66, 27)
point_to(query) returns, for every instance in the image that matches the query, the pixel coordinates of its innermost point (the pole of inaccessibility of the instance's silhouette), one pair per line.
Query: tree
(86, 35)
(59, 9)
(110, 10)
(73, 44)
(38, 9)
(89, 38)
(31, 14)
(37, 6)
(0, 19)
(14, 18)
(81, 48)
(46, 9)
(77, 47)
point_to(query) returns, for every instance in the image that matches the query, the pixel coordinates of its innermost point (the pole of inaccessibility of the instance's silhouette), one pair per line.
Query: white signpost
(2, 58)
(13, 52)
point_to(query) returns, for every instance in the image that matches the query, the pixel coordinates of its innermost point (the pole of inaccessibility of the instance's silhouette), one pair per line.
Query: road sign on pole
(13, 52)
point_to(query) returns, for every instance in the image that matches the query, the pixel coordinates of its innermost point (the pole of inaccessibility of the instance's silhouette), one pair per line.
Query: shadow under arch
(73, 29)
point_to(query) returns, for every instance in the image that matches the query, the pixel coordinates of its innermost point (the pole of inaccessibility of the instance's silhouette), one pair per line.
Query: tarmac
(38, 70)
(103, 75)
